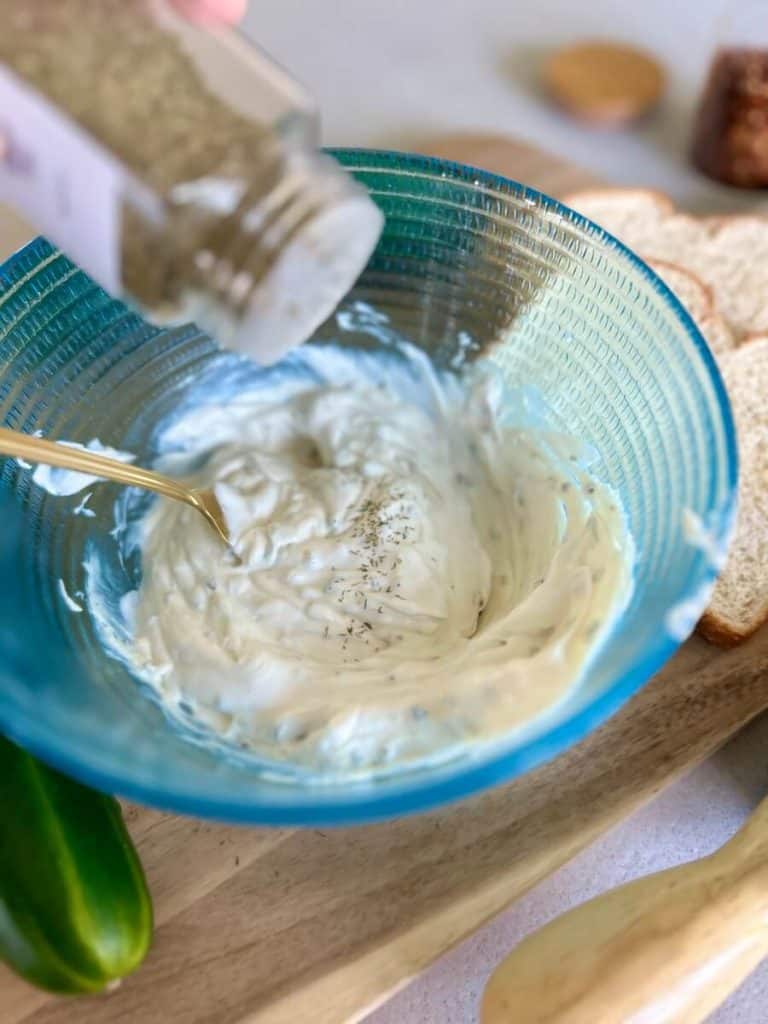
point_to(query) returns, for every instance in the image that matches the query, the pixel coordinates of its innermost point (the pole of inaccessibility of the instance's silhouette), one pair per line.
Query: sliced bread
(729, 254)
(718, 267)
(625, 212)
(697, 299)
(739, 604)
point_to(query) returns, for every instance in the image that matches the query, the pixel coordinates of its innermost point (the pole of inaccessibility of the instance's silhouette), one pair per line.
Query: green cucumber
(75, 913)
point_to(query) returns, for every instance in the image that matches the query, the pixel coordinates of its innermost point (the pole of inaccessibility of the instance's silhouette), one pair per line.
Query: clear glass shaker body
(178, 165)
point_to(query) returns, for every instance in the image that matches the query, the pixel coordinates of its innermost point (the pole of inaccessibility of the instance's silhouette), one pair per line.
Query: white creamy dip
(417, 573)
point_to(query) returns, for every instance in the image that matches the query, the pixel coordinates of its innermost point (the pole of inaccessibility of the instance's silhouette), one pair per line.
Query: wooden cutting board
(288, 927)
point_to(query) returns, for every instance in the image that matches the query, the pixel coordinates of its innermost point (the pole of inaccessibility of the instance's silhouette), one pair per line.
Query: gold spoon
(51, 453)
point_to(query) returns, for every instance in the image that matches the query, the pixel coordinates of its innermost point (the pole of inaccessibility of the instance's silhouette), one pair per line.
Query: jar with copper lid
(731, 131)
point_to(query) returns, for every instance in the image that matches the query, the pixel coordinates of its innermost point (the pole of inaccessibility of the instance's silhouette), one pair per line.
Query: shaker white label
(64, 182)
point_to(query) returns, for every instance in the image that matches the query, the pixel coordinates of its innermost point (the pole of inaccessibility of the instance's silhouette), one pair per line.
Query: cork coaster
(605, 83)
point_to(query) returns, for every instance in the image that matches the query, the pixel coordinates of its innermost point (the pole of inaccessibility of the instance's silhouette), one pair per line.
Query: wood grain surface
(668, 948)
(272, 927)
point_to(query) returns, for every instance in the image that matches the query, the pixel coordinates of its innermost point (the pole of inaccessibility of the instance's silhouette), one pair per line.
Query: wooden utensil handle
(666, 949)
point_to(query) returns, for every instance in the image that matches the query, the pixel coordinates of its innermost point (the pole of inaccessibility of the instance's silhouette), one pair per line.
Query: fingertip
(212, 12)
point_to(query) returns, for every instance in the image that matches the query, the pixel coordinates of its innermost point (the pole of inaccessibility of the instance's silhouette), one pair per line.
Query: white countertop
(388, 72)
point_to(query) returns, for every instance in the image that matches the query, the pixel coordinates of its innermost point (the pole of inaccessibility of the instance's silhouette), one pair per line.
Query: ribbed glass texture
(559, 305)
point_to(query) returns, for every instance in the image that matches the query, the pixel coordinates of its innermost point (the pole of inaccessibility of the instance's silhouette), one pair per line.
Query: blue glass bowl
(571, 312)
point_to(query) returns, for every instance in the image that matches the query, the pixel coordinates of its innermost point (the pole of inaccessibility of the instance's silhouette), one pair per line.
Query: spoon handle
(666, 949)
(51, 453)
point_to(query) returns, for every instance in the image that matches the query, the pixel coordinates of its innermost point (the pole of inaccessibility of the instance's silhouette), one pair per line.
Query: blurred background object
(731, 131)
(602, 82)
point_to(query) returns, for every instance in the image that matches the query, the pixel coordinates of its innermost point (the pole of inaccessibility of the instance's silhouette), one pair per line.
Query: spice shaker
(731, 132)
(179, 167)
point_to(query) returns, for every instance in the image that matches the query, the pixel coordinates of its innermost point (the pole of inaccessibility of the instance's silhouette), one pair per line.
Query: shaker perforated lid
(312, 236)
(308, 279)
